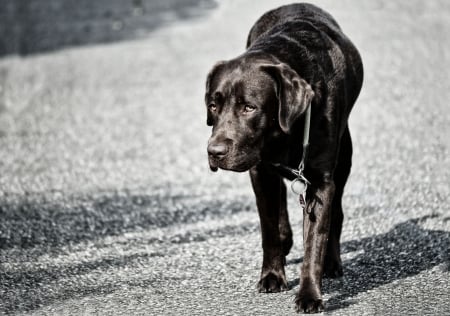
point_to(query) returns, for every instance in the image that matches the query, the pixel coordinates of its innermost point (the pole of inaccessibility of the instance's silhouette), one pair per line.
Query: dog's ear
(209, 79)
(294, 93)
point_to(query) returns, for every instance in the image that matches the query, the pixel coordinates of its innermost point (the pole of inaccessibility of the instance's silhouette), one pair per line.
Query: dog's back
(323, 54)
(293, 12)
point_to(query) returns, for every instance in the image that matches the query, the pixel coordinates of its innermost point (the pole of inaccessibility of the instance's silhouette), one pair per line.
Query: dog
(297, 58)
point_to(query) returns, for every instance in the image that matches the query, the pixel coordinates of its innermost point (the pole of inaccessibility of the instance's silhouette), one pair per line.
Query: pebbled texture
(107, 205)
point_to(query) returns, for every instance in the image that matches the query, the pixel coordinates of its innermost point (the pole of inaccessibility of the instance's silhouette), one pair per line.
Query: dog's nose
(217, 150)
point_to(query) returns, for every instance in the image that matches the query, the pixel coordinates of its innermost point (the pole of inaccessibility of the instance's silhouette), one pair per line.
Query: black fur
(296, 56)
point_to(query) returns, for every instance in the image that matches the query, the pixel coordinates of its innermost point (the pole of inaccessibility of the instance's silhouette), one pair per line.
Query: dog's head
(249, 100)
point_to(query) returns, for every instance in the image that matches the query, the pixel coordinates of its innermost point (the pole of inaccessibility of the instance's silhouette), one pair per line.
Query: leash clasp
(299, 186)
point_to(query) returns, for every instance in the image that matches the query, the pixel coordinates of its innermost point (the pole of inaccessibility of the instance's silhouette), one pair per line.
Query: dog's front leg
(270, 191)
(316, 226)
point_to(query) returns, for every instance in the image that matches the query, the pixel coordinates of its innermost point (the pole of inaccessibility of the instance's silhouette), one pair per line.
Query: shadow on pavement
(29, 27)
(26, 291)
(405, 251)
(42, 226)
(39, 224)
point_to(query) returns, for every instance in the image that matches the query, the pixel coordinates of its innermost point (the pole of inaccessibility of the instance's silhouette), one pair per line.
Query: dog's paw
(332, 268)
(272, 282)
(309, 299)
(308, 304)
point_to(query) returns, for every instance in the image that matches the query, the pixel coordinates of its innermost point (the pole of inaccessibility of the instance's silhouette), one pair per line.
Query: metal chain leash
(300, 184)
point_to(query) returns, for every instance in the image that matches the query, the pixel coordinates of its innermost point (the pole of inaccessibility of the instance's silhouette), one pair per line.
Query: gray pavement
(107, 205)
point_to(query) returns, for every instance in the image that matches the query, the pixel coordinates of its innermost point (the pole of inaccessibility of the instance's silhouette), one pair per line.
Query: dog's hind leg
(333, 264)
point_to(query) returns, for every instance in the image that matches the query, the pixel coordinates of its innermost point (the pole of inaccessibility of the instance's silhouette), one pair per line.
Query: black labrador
(297, 56)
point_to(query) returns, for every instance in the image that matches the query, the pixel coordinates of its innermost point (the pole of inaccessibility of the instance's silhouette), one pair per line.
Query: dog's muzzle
(216, 153)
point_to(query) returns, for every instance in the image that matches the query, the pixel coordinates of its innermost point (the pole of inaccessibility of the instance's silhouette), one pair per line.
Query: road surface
(107, 204)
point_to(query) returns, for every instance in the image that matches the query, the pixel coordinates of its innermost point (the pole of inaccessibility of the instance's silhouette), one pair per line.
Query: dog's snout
(217, 150)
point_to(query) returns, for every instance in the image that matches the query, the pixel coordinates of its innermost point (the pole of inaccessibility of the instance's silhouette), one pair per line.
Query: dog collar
(299, 182)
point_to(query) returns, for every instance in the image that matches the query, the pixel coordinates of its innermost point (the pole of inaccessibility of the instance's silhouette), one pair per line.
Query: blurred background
(37, 26)
(107, 204)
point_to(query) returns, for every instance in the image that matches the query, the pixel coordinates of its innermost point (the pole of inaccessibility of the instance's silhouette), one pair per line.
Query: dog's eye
(249, 108)
(212, 107)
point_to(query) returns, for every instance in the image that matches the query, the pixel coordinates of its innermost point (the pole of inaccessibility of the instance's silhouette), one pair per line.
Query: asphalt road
(107, 205)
